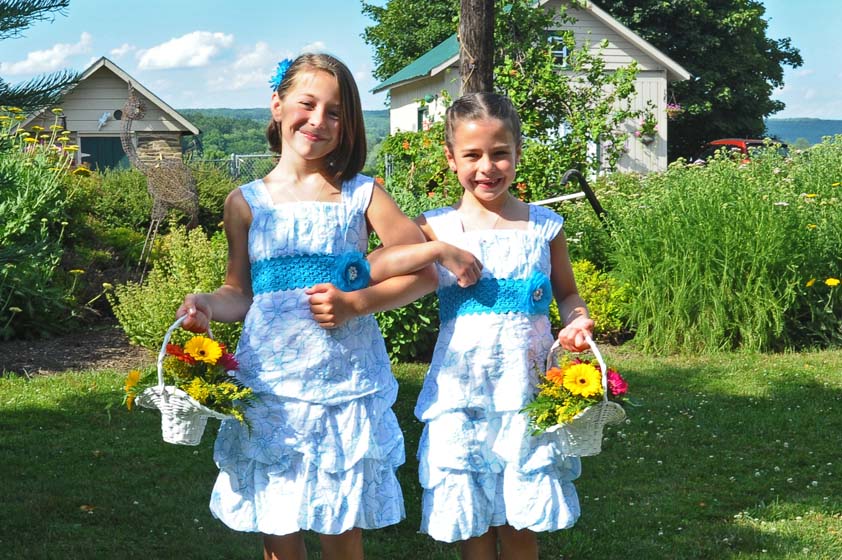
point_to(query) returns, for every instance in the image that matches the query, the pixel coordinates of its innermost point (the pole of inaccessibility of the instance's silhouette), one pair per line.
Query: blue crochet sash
(530, 296)
(347, 271)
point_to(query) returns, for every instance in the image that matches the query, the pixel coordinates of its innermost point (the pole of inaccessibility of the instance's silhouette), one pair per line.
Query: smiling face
(483, 153)
(309, 115)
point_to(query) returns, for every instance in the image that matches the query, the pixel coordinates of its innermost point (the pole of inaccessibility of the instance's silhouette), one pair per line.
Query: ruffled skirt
(479, 470)
(306, 466)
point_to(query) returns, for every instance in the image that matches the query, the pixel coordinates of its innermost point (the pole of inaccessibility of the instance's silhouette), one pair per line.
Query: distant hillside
(812, 130)
(241, 131)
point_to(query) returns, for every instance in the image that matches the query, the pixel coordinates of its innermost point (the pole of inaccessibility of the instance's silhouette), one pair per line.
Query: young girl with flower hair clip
(486, 479)
(321, 444)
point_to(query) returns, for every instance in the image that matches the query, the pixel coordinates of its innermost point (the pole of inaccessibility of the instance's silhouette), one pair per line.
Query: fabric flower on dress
(539, 294)
(351, 272)
(283, 66)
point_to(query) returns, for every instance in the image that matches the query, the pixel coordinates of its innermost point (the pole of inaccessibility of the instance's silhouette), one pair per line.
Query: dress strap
(445, 222)
(544, 222)
(256, 195)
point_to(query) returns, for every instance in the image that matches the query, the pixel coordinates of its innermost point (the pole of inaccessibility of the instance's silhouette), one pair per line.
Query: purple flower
(281, 71)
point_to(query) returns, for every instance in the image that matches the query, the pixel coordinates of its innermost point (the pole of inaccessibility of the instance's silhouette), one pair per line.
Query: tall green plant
(720, 255)
(35, 298)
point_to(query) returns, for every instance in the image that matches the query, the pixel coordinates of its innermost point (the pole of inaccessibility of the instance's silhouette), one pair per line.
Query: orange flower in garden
(405, 144)
(556, 375)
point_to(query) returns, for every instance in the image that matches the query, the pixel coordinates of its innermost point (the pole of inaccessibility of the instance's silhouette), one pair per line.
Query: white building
(438, 70)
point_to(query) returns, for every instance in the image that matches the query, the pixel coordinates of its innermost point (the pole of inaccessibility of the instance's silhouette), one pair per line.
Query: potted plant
(674, 110)
(648, 127)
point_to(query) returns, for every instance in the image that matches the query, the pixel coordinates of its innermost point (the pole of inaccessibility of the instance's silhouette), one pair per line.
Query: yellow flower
(71, 148)
(203, 349)
(132, 379)
(56, 110)
(583, 379)
(37, 128)
(811, 226)
(832, 282)
(30, 140)
(83, 171)
(835, 184)
(810, 282)
(810, 195)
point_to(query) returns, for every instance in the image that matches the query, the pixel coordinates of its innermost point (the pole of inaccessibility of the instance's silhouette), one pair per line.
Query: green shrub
(213, 185)
(189, 262)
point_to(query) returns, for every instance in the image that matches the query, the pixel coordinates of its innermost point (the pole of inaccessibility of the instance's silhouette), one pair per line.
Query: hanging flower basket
(674, 110)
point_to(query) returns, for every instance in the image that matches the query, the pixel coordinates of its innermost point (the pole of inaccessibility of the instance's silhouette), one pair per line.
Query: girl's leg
(345, 546)
(284, 547)
(483, 547)
(517, 545)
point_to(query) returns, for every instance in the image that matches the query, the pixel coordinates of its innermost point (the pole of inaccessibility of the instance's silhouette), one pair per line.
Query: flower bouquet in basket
(193, 384)
(576, 399)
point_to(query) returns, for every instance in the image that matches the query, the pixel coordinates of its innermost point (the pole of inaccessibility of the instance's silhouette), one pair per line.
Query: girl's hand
(198, 313)
(463, 264)
(330, 306)
(573, 337)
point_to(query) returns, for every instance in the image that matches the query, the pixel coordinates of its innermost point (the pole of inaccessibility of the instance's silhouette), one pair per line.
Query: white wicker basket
(582, 436)
(183, 419)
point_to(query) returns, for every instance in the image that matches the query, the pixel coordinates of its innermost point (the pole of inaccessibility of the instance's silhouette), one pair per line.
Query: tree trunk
(476, 45)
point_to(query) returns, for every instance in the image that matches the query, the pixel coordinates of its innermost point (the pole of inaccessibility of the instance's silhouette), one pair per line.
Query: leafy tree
(15, 17)
(575, 94)
(722, 43)
(406, 29)
(735, 66)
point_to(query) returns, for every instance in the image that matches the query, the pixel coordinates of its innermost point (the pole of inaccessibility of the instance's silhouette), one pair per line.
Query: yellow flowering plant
(567, 389)
(201, 369)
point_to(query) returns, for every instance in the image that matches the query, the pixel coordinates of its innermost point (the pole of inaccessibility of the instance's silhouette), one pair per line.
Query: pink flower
(616, 384)
(228, 362)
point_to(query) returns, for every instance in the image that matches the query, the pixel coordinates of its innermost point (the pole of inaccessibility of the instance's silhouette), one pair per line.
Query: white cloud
(49, 60)
(192, 50)
(809, 93)
(122, 50)
(315, 47)
(805, 72)
(252, 69)
(261, 56)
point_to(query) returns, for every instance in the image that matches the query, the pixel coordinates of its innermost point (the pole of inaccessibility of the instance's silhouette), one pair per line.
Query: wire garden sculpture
(169, 181)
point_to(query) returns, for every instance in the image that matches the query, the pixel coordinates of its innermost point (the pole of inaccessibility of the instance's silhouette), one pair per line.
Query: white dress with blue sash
(479, 465)
(322, 444)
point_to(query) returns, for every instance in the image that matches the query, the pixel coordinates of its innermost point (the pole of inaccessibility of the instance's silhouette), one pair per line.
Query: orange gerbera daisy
(556, 375)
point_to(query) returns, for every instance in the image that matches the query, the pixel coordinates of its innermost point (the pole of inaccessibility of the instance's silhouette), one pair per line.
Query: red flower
(228, 362)
(175, 350)
(617, 384)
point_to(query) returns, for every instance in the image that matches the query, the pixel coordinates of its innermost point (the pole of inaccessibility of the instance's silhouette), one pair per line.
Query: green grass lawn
(730, 456)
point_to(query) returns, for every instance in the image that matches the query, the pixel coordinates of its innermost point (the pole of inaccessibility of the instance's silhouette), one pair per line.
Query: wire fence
(244, 167)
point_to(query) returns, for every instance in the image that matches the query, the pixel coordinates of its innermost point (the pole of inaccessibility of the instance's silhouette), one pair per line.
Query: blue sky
(215, 53)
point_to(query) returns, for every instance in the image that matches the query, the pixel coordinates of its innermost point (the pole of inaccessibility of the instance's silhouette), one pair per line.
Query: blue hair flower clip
(539, 293)
(276, 80)
(351, 272)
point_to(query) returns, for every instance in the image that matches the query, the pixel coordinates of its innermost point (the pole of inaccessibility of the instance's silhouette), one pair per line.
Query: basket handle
(163, 352)
(602, 367)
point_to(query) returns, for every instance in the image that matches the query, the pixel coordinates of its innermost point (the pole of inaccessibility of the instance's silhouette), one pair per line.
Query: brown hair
(481, 105)
(348, 158)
